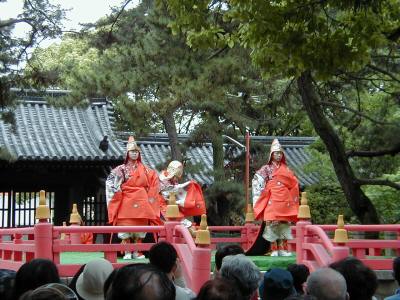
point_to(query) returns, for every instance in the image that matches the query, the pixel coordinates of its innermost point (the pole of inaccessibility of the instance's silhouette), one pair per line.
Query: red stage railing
(313, 244)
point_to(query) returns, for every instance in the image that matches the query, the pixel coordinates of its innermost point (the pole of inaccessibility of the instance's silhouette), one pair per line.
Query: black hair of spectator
(141, 281)
(7, 280)
(301, 297)
(108, 282)
(300, 273)
(219, 289)
(361, 280)
(230, 249)
(163, 255)
(396, 269)
(72, 284)
(33, 274)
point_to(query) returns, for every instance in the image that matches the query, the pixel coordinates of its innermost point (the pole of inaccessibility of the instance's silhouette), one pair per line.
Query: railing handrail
(358, 227)
(19, 230)
(326, 241)
(186, 236)
(107, 229)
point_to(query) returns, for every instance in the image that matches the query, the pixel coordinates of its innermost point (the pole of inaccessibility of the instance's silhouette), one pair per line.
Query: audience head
(72, 284)
(231, 249)
(396, 269)
(277, 285)
(33, 274)
(243, 272)
(7, 278)
(89, 285)
(53, 291)
(108, 282)
(141, 281)
(327, 284)
(361, 281)
(300, 274)
(301, 297)
(163, 255)
(219, 289)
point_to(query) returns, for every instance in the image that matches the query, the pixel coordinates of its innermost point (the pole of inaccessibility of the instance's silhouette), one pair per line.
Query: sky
(81, 11)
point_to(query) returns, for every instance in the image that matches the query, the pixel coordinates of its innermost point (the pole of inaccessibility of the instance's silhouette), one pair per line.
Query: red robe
(136, 203)
(279, 199)
(189, 199)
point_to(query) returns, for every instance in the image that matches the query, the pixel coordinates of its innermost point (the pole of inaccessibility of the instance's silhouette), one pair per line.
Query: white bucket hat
(90, 283)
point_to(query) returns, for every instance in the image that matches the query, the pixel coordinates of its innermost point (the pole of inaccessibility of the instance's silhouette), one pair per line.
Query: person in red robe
(189, 195)
(132, 195)
(276, 199)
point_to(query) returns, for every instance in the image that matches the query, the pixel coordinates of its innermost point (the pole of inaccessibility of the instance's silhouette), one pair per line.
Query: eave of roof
(61, 134)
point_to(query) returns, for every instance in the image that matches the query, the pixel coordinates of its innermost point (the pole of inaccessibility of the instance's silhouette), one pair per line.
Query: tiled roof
(48, 133)
(45, 132)
(155, 149)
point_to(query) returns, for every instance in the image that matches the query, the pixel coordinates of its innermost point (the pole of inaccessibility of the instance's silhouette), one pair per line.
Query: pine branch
(390, 151)
(117, 17)
(218, 52)
(376, 68)
(11, 22)
(365, 181)
(355, 111)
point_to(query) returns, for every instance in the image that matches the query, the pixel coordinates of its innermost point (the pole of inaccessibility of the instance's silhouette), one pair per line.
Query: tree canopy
(158, 83)
(43, 21)
(344, 57)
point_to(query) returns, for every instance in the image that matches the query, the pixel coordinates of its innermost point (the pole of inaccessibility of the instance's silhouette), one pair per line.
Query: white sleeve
(113, 185)
(257, 185)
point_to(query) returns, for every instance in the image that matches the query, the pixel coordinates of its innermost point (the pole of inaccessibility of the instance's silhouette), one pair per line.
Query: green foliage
(325, 198)
(320, 164)
(6, 155)
(289, 37)
(42, 20)
(326, 202)
(346, 51)
(225, 203)
(386, 200)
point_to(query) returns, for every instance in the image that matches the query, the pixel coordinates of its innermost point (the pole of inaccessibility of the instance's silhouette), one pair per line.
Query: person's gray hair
(243, 272)
(327, 284)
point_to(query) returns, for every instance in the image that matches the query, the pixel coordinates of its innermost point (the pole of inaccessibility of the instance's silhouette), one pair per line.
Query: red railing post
(43, 231)
(169, 230)
(247, 231)
(17, 241)
(300, 239)
(201, 267)
(44, 240)
(340, 252)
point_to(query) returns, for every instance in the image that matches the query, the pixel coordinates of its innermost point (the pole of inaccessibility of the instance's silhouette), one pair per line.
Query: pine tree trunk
(359, 203)
(170, 128)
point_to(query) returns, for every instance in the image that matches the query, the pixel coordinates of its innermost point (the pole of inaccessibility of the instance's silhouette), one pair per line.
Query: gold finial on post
(75, 217)
(249, 214)
(203, 234)
(172, 207)
(304, 209)
(42, 211)
(340, 232)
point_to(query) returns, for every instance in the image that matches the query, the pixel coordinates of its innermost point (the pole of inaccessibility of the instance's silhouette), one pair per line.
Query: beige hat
(90, 283)
(131, 145)
(54, 290)
(275, 147)
(175, 168)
